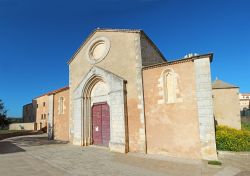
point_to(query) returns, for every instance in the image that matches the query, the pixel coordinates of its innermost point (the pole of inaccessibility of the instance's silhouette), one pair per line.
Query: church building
(125, 95)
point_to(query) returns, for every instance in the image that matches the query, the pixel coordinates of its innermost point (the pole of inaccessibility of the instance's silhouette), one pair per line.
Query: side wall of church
(172, 126)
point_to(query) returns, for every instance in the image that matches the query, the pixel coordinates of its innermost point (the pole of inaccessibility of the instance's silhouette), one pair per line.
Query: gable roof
(113, 30)
(53, 92)
(218, 84)
(58, 90)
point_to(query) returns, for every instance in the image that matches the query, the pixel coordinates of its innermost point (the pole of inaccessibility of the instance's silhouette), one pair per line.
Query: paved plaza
(35, 155)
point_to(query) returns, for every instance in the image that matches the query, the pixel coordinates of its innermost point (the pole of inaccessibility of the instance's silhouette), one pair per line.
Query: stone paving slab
(35, 155)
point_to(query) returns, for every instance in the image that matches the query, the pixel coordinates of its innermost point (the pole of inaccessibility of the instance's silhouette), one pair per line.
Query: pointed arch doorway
(101, 86)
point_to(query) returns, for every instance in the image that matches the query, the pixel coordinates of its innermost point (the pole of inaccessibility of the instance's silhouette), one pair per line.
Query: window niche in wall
(170, 86)
(61, 105)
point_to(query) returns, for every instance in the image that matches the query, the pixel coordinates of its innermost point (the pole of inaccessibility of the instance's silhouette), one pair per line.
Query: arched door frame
(116, 101)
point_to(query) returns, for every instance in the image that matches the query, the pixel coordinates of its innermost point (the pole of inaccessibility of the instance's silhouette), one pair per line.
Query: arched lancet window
(61, 100)
(170, 86)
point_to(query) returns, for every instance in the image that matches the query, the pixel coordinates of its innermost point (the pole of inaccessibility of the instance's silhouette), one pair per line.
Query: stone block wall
(22, 126)
(205, 108)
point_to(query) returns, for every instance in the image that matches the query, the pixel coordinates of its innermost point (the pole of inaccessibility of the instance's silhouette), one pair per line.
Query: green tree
(3, 116)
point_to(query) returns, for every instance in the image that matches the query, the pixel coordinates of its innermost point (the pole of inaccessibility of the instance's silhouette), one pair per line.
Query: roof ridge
(98, 30)
(53, 91)
(219, 84)
(176, 61)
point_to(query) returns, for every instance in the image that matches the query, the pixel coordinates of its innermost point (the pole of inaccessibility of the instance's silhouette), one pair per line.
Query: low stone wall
(19, 133)
(22, 126)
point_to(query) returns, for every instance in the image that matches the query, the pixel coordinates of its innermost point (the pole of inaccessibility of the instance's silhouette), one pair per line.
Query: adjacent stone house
(50, 112)
(245, 104)
(125, 95)
(226, 104)
(28, 113)
(41, 110)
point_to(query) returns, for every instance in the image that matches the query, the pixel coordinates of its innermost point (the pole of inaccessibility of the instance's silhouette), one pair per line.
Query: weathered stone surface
(172, 128)
(205, 108)
(115, 99)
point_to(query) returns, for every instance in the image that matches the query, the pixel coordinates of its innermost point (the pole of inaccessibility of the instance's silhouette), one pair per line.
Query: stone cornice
(190, 59)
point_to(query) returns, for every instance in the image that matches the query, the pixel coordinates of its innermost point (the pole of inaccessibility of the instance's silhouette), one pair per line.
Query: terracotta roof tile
(54, 91)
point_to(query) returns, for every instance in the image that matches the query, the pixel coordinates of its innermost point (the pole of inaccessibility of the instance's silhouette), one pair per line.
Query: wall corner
(205, 108)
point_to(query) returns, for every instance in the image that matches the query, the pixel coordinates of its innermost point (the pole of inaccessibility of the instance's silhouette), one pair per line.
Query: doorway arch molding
(116, 99)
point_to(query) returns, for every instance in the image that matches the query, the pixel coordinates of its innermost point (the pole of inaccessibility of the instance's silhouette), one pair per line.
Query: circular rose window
(98, 49)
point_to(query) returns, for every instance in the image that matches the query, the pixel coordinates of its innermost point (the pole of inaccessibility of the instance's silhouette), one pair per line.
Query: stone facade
(41, 105)
(123, 60)
(205, 108)
(115, 99)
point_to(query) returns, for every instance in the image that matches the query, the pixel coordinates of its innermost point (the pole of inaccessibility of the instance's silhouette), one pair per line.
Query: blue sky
(37, 37)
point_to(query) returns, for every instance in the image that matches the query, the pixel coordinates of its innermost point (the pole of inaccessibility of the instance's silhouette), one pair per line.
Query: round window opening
(98, 49)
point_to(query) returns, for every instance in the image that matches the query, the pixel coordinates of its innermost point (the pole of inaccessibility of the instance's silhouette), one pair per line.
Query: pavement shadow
(8, 147)
(36, 141)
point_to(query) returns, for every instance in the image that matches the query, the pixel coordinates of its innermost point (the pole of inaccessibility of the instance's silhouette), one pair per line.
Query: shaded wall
(28, 113)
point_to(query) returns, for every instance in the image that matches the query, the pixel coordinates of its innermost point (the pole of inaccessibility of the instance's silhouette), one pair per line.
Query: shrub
(213, 162)
(230, 139)
(245, 125)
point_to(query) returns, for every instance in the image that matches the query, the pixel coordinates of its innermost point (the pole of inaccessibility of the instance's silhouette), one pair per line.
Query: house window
(44, 116)
(41, 116)
(43, 103)
(61, 100)
(36, 105)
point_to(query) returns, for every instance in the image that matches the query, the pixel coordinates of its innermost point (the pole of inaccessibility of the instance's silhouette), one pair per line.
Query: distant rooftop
(219, 84)
(54, 91)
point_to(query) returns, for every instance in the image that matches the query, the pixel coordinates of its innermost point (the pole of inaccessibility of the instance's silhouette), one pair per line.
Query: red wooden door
(97, 124)
(105, 125)
(101, 124)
